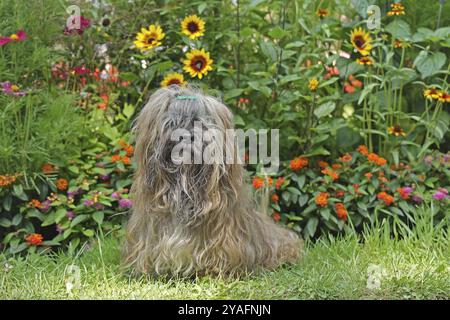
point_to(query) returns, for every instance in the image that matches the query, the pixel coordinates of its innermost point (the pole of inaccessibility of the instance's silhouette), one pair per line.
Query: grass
(415, 267)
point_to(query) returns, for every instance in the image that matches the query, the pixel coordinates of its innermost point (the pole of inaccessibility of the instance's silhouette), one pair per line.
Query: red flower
(34, 239)
(276, 216)
(18, 36)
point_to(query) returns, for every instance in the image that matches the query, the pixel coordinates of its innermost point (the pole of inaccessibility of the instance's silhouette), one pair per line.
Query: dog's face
(181, 150)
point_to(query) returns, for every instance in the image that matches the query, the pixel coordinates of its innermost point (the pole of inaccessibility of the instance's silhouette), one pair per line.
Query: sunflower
(444, 96)
(173, 78)
(149, 38)
(431, 93)
(193, 26)
(396, 131)
(322, 13)
(361, 40)
(397, 9)
(197, 63)
(365, 61)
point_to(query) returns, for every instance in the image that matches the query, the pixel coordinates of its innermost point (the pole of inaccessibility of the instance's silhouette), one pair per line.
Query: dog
(195, 219)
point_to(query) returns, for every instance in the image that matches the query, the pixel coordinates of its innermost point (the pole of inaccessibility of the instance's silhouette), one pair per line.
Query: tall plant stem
(238, 52)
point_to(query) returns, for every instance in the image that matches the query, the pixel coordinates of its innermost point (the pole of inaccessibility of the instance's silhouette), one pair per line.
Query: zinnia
(34, 239)
(18, 36)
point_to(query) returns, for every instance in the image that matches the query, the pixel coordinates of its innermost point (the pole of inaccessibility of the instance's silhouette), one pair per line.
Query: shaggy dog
(195, 219)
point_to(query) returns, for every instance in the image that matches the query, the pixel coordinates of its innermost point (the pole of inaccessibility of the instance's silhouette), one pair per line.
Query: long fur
(195, 219)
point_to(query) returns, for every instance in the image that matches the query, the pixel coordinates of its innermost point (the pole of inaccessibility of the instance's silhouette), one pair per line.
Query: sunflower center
(151, 39)
(192, 27)
(198, 63)
(359, 41)
(174, 81)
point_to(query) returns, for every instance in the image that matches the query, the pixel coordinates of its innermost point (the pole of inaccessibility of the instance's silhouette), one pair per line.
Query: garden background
(363, 113)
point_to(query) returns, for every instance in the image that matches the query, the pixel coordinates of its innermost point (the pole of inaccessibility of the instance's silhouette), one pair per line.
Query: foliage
(69, 97)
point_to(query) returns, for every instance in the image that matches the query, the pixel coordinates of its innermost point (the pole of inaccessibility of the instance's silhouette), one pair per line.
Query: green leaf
(277, 33)
(19, 193)
(295, 44)
(238, 121)
(311, 226)
(50, 219)
(60, 214)
(320, 151)
(73, 169)
(294, 190)
(324, 109)
(233, 93)
(430, 64)
(88, 233)
(98, 217)
(6, 223)
(290, 78)
(78, 219)
(128, 110)
(399, 29)
(17, 219)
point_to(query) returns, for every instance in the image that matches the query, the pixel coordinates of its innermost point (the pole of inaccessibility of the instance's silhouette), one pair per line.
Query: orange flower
(322, 164)
(279, 182)
(374, 158)
(336, 166)
(34, 203)
(355, 82)
(126, 160)
(341, 212)
(129, 149)
(122, 143)
(105, 101)
(115, 158)
(298, 163)
(34, 239)
(322, 199)
(276, 216)
(275, 198)
(403, 194)
(269, 181)
(369, 175)
(346, 158)
(7, 179)
(62, 184)
(48, 168)
(322, 13)
(331, 173)
(386, 198)
(258, 182)
(363, 150)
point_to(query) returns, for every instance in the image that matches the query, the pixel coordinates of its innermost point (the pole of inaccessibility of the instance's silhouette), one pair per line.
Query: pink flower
(440, 194)
(78, 25)
(125, 203)
(88, 203)
(11, 89)
(81, 71)
(19, 36)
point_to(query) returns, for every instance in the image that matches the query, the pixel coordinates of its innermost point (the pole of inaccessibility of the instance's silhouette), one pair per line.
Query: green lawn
(416, 267)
